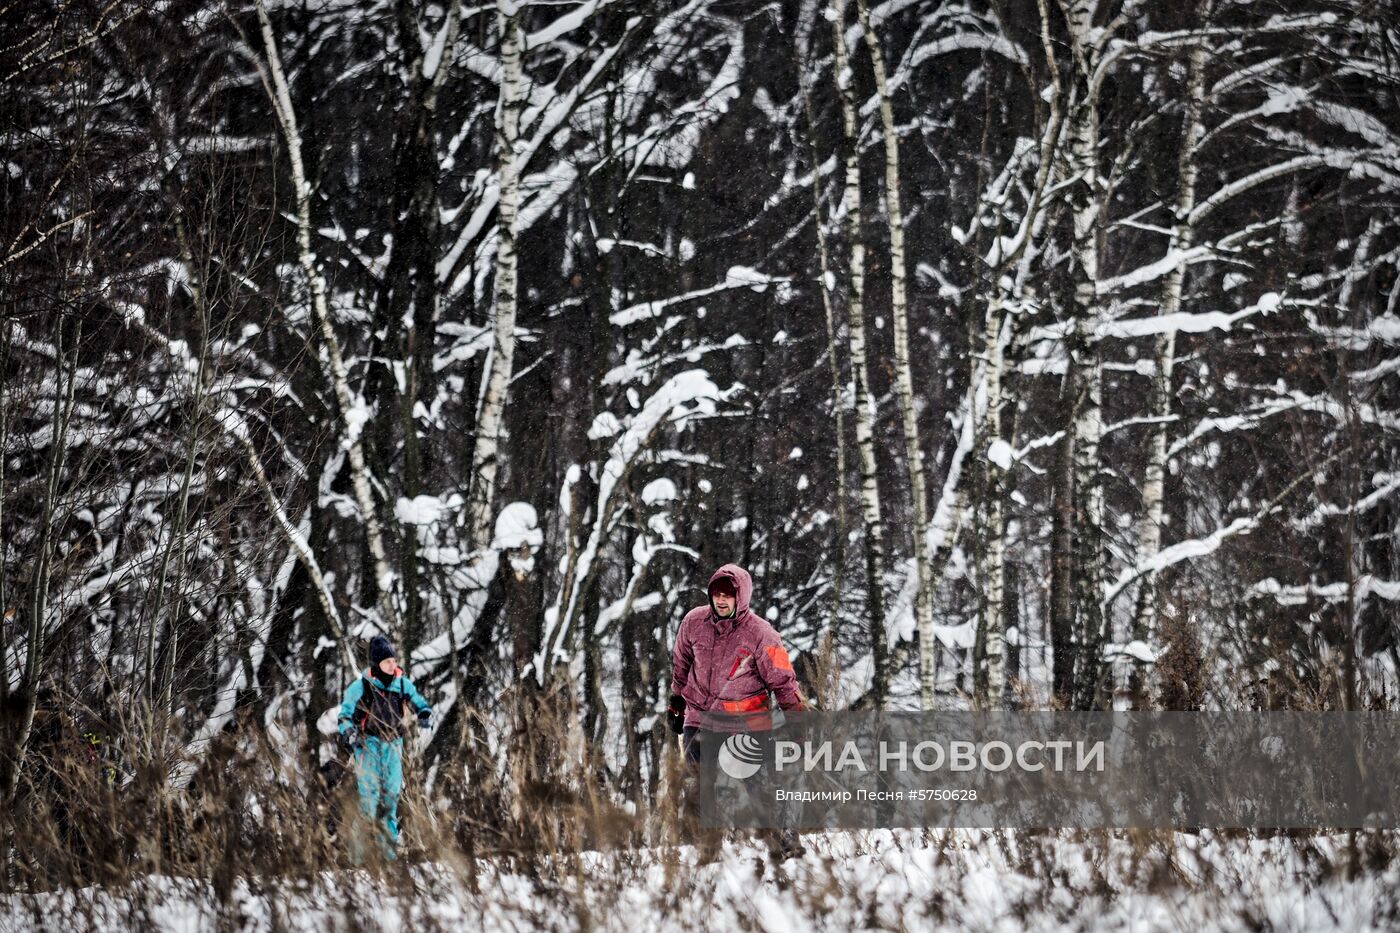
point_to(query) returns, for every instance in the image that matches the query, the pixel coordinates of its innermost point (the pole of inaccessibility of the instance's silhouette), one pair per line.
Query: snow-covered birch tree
(864, 403)
(484, 462)
(498, 327)
(904, 379)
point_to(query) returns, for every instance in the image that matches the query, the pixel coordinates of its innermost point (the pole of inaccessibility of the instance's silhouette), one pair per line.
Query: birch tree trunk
(1061, 599)
(1085, 414)
(904, 380)
(351, 414)
(1064, 644)
(828, 282)
(997, 339)
(1150, 530)
(992, 575)
(860, 366)
(485, 453)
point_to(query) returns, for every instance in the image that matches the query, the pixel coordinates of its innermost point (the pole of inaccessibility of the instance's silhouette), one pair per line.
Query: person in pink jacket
(728, 667)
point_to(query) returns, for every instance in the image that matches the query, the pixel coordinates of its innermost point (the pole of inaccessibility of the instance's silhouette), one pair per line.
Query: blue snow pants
(379, 774)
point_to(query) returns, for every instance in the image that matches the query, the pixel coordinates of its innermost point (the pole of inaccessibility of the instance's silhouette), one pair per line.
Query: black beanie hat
(724, 585)
(379, 649)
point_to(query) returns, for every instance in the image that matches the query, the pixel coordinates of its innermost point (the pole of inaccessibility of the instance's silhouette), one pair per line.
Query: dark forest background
(1028, 354)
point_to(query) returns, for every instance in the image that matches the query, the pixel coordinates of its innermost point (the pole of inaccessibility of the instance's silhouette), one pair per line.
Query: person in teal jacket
(371, 722)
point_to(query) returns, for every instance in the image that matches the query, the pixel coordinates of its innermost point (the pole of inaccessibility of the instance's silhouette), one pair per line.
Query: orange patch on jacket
(779, 656)
(756, 702)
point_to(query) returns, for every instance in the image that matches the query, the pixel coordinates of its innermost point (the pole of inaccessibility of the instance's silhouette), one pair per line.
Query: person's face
(388, 665)
(724, 603)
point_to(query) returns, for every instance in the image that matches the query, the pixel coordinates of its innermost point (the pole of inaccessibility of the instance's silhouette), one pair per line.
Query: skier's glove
(352, 739)
(675, 713)
(425, 719)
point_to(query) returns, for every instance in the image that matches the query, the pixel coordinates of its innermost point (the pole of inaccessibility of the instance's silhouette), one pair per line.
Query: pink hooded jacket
(731, 665)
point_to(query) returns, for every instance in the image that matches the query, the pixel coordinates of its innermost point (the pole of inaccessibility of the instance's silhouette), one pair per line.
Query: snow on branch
(681, 398)
(1198, 322)
(1364, 588)
(1201, 547)
(1183, 551)
(737, 277)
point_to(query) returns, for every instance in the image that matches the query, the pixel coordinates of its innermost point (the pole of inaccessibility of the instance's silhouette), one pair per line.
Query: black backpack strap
(366, 704)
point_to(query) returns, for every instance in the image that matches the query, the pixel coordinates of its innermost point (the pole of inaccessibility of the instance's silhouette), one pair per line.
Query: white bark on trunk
(996, 339)
(828, 282)
(300, 546)
(992, 573)
(1086, 202)
(1150, 530)
(860, 365)
(486, 452)
(336, 371)
(904, 380)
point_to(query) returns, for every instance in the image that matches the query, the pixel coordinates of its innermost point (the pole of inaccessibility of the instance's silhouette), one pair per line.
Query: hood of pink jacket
(731, 666)
(743, 588)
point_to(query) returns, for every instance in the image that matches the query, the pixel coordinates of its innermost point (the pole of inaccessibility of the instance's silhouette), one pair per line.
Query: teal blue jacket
(350, 705)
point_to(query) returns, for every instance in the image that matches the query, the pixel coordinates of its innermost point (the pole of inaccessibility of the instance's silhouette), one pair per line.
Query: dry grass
(531, 837)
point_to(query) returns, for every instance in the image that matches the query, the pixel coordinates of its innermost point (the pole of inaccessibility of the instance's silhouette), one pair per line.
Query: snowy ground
(878, 880)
